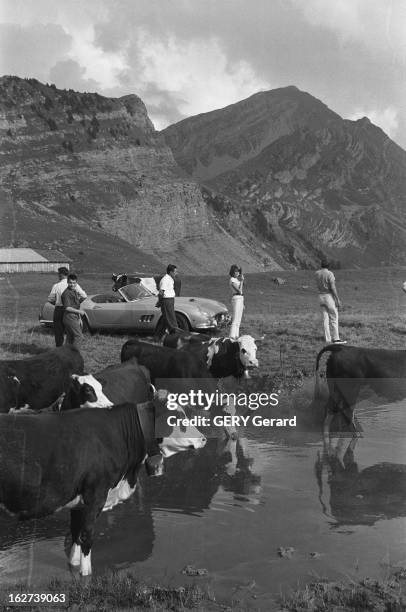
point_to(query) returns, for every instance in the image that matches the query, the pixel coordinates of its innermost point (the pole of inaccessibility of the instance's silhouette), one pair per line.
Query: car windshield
(135, 292)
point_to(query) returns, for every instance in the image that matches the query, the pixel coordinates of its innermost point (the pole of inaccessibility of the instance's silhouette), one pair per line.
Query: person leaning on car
(71, 300)
(55, 297)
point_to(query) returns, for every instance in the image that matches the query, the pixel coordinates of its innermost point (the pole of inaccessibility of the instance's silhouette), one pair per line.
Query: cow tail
(317, 381)
(332, 348)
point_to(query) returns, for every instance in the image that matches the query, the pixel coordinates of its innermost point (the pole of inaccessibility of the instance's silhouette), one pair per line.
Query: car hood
(204, 304)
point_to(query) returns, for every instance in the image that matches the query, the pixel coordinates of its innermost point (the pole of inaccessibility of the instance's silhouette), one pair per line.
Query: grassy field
(288, 315)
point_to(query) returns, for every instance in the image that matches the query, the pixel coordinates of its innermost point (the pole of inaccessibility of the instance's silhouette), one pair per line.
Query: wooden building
(30, 260)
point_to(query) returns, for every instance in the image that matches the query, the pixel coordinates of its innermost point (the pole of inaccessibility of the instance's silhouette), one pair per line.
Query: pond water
(229, 507)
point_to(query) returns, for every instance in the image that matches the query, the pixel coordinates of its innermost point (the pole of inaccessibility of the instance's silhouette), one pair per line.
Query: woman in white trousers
(237, 300)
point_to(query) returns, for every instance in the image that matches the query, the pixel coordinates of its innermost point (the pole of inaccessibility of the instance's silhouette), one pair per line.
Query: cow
(163, 362)
(39, 380)
(181, 339)
(85, 460)
(117, 384)
(223, 357)
(349, 368)
(199, 367)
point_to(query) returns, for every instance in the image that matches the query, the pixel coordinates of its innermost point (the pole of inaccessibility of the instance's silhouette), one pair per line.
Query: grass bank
(114, 591)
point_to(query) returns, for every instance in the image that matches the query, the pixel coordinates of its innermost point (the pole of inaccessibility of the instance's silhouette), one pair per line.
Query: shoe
(339, 342)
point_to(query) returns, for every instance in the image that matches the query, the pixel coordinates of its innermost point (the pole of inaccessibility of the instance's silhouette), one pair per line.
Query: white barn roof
(20, 256)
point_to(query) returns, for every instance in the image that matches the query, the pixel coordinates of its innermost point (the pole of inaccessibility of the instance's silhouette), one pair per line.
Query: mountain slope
(282, 167)
(76, 164)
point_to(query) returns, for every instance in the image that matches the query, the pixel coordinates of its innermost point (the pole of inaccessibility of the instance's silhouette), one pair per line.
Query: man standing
(55, 297)
(71, 312)
(329, 302)
(167, 298)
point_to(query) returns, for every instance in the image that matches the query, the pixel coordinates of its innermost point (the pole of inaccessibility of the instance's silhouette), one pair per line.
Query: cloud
(208, 80)
(378, 25)
(68, 74)
(387, 118)
(32, 50)
(185, 57)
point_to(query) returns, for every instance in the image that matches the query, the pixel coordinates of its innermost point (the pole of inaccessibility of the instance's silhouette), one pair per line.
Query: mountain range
(275, 181)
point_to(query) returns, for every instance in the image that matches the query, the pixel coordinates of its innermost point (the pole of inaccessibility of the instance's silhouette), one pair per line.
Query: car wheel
(182, 322)
(86, 327)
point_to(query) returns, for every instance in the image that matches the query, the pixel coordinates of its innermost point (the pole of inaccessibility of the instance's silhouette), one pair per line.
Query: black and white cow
(117, 384)
(38, 381)
(220, 357)
(86, 460)
(180, 339)
(163, 362)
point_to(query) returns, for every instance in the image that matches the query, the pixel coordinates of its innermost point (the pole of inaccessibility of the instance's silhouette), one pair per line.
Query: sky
(184, 57)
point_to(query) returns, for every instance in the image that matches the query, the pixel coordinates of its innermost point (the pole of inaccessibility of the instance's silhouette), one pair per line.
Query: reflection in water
(194, 512)
(191, 482)
(360, 497)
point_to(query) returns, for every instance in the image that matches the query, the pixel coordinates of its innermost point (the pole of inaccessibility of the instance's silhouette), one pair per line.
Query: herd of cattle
(68, 455)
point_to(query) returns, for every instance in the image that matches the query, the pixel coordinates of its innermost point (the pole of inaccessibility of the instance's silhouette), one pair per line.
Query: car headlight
(205, 314)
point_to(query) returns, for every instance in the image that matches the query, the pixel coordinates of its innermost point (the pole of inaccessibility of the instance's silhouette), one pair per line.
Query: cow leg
(329, 415)
(75, 527)
(82, 526)
(86, 538)
(326, 429)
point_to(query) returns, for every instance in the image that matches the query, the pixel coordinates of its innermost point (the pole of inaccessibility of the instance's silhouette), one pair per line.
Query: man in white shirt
(167, 298)
(55, 297)
(329, 302)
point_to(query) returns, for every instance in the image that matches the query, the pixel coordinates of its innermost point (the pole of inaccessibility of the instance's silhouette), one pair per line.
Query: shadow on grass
(23, 347)
(40, 330)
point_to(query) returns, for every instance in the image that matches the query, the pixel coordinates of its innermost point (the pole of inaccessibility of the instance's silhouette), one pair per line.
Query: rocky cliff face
(276, 180)
(282, 169)
(75, 163)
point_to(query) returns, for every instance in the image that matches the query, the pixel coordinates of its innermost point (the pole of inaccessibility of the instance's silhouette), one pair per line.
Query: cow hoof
(75, 554)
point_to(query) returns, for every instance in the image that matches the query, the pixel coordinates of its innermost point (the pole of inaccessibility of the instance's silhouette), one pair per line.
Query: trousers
(168, 313)
(71, 322)
(330, 316)
(237, 307)
(59, 329)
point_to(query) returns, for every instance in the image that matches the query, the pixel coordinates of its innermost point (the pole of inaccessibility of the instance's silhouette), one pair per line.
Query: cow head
(248, 351)
(175, 438)
(119, 280)
(85, 392)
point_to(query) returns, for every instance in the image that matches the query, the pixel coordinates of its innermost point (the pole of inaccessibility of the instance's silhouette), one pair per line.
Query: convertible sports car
(133, 308)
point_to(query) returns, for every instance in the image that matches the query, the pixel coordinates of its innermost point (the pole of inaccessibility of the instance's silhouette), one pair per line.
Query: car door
(140, 307)
(108, 312)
